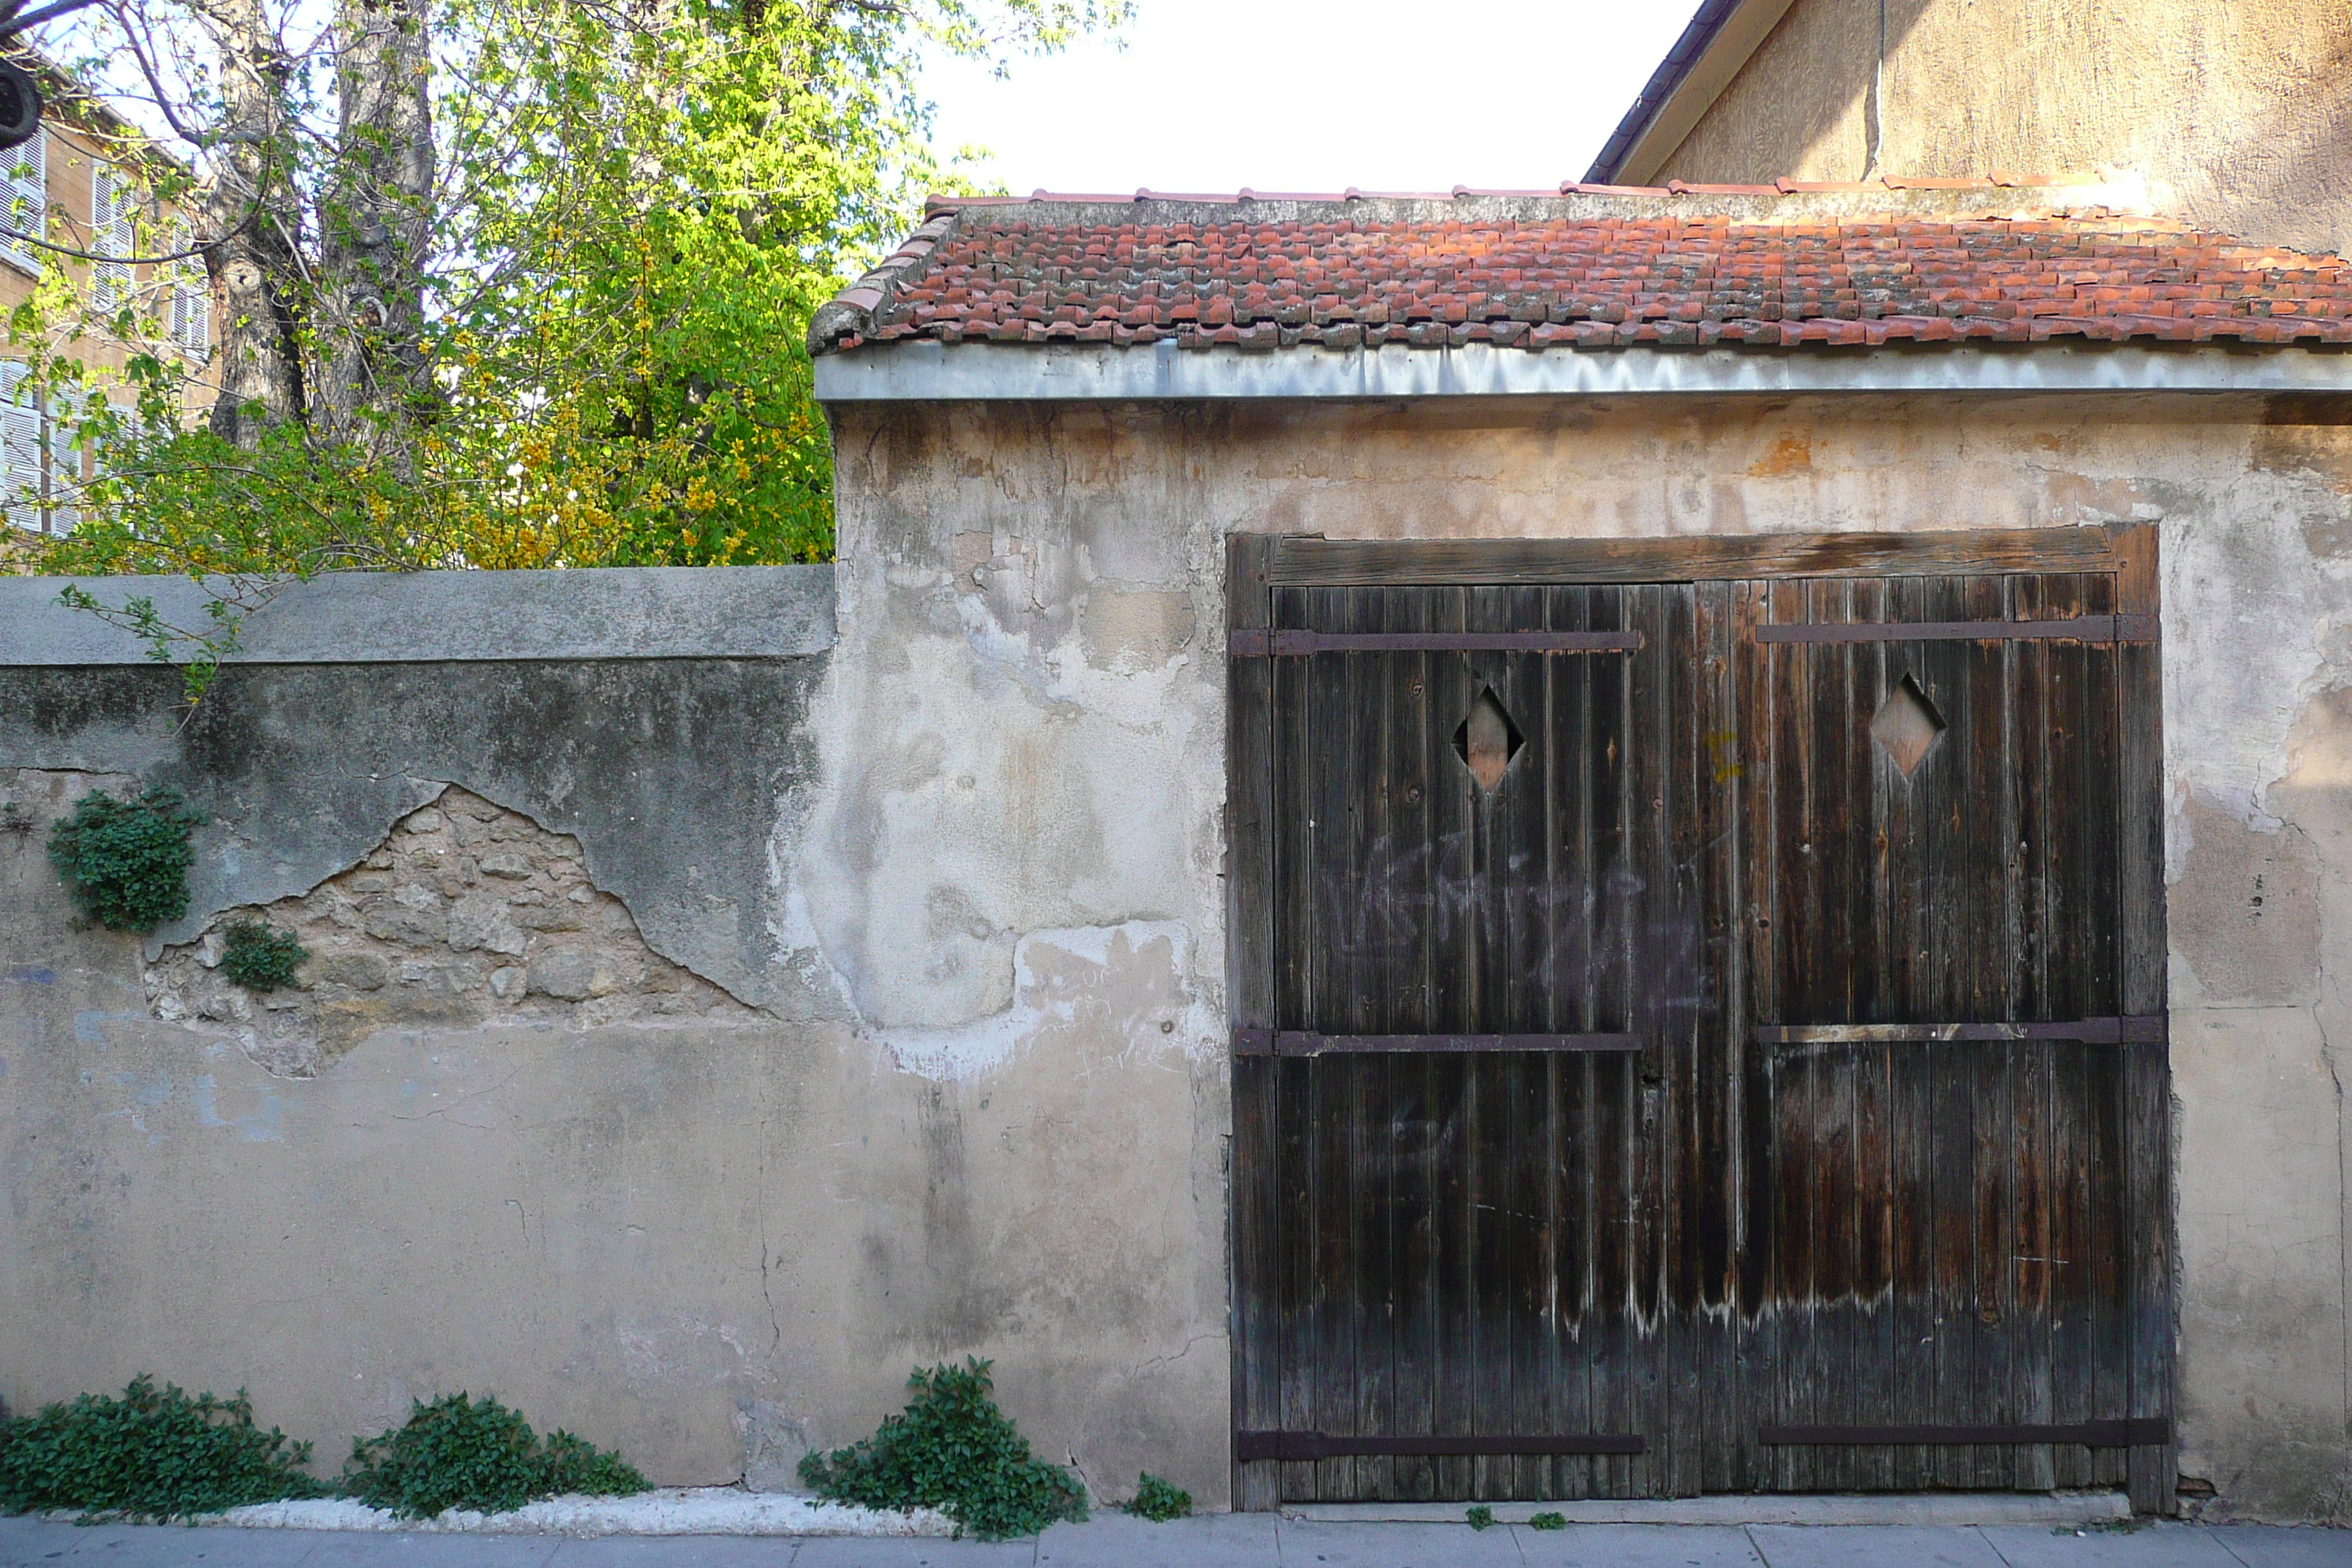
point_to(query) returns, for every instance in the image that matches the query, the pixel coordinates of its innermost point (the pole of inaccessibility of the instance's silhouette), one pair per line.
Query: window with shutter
(20, 449)
(112, 231)
(65, 465)
(26, 187)
(191, 296)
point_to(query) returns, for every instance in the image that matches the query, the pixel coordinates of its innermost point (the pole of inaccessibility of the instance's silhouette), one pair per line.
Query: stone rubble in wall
(467, 914)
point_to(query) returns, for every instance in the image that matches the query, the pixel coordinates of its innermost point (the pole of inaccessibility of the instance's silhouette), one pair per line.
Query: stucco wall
(967, 1094)
(2236, 112)
(692, 1046)
(2257, 539)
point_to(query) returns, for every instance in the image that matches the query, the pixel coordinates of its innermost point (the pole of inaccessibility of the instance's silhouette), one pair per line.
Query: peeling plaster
(1126, 978)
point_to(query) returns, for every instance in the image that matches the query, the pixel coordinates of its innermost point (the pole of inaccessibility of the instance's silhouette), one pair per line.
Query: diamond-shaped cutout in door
(1486, 741)
(1908, 726)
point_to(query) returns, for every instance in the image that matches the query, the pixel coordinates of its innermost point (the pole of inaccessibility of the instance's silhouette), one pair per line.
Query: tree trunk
(375, 223)
(257, 270)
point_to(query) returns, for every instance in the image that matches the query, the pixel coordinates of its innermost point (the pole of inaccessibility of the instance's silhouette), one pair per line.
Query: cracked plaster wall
(989, 533)
(709, 1212)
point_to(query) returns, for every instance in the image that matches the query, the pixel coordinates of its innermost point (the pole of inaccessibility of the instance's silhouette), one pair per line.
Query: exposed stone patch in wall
(468, 913)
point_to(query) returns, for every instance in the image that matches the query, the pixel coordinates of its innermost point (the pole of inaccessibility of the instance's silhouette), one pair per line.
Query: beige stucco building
(75, 187)
(2229, 115)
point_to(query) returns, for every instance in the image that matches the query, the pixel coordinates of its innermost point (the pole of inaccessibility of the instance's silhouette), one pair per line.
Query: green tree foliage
(151, 1454)
(477, 1454)
(951, 1448)
(583, 342)
(127, 860)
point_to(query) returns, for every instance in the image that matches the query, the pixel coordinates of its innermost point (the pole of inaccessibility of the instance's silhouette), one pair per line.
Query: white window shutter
(26, 189)
(64, 466)
(191, 297)
(20, 449)
(113, 234)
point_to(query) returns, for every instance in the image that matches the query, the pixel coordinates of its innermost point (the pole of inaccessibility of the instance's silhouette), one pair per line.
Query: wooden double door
(1698, 1019)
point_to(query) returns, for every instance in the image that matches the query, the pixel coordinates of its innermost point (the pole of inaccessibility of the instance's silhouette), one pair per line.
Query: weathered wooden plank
(1990, 830)
(1290, 644)
(1308, 1043)
(1249, 971)
(2117, 1434)
(1712, 1150)
(2154, 1468)
(1423, 760)
(1680, 1173)
(2104, 628)
(1753, 907)
(2106, 1031)
(2024, 991)
(1346, 561)
(1312, 1446)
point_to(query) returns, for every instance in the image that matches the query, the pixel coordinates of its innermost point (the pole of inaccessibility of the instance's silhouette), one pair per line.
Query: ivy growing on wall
(259, 957)
(127, 860)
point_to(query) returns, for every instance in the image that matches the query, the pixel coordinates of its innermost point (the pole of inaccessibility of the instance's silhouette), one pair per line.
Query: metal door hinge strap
(2073, 629)
(1249, 1446)
(2134, 1031)
(1257, 642)
(2092, 1434)
(1301, 1043)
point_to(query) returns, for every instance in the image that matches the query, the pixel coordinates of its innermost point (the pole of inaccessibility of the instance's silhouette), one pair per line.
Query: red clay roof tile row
(993, 275)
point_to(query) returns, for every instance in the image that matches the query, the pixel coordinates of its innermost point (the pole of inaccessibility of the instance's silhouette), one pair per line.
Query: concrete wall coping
(431, 617)
(928, 371)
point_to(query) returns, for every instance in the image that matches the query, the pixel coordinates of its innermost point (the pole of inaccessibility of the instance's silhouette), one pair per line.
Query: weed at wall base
(152, 1454)
(1160, 1500)
(951, 1448)
(459, 1452)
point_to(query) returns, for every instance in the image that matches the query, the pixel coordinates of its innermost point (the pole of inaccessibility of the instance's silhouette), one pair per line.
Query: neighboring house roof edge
(1719, 40)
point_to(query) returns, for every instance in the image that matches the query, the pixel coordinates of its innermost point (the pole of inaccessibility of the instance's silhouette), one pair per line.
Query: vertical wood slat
(2027, 991)
(1715, 1150)
(1297, 744)
(1758, 1301)
(2154, 1471)
(1249, 970)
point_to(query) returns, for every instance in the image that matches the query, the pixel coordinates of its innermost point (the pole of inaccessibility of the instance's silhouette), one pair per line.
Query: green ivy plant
(1479, 1517)
(1547, 1521)
(951, 1448)
(152, 1454)
(258, 958)
(128, 859)
(477, 1454)
(1159, 1500)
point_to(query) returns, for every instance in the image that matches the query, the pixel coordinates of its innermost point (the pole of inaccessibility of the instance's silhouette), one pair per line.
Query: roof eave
(1722, 36)
(924, 371)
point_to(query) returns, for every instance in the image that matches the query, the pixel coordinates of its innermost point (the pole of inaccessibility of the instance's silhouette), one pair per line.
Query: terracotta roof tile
(1534, 270)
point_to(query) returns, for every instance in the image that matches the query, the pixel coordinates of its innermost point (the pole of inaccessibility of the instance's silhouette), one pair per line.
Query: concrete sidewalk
(1217, 1541)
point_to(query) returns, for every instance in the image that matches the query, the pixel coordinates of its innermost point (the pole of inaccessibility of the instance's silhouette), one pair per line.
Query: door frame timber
(1257, 563)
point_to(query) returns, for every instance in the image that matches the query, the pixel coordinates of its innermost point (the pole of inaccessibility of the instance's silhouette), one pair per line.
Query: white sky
(1316, 95)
